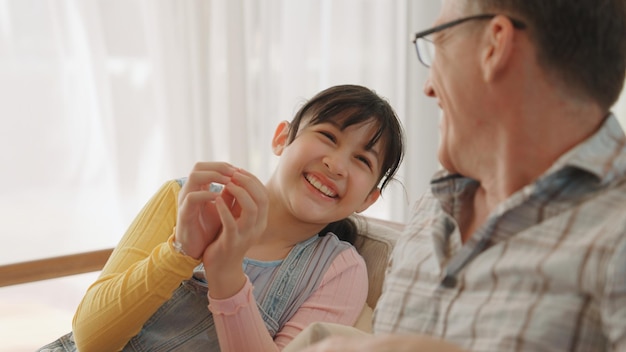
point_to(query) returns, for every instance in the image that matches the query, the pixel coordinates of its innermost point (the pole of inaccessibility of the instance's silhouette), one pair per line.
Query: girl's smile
(324, 188)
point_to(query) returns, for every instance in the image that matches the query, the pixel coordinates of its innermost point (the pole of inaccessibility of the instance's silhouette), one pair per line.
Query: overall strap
(297, 278)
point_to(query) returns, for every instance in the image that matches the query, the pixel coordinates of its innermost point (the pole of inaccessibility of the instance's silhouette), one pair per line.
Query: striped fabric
(545, 272)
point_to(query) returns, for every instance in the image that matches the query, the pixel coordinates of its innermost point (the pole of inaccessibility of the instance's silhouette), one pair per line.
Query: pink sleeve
(339, 299)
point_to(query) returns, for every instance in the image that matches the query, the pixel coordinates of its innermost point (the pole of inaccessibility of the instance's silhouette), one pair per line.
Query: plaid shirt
(545, 272)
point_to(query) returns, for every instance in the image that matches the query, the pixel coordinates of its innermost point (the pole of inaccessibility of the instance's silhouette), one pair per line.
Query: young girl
(264, 258)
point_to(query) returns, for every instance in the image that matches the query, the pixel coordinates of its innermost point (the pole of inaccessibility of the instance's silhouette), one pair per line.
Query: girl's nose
(336, 164)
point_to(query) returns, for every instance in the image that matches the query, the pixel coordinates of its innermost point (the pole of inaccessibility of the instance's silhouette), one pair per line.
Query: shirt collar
(602, 155)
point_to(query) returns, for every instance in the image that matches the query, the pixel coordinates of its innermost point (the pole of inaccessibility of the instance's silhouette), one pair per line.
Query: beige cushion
(319, 331)
(364, 321)
(375, 242)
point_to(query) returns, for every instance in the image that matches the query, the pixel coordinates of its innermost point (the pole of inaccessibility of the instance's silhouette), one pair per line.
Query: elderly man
(520, 244)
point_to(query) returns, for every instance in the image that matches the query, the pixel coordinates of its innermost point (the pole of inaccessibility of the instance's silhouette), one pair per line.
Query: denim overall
(184, 323)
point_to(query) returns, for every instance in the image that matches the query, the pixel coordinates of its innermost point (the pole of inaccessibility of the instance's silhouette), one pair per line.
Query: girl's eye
(328, 135)
(365, 161)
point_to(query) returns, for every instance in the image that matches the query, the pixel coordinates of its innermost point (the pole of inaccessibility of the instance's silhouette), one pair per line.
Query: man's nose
(429, 91)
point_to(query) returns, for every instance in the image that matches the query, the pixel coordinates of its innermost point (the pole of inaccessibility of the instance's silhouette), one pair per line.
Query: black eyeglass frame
(485, 16)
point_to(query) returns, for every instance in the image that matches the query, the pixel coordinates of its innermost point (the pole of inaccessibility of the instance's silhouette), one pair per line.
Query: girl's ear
(279, 142)
(369, 200)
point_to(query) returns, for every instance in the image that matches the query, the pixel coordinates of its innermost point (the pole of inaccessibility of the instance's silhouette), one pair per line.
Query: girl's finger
(229, 223)
(246, 206)
(229, 199)
(199, 197)
(253, 186)
(256, 191)
(204, 174)
(203, 179)
(219, 166)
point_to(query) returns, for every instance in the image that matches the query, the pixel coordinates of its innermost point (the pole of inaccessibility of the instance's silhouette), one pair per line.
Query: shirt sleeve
(141, 274)
(339, 299)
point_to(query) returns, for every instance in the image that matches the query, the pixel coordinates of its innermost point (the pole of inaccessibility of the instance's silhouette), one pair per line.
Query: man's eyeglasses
(425, 46)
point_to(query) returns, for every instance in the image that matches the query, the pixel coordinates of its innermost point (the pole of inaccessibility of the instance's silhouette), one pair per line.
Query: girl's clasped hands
(219, 226)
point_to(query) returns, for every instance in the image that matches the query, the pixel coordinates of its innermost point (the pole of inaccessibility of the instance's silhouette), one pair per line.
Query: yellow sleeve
(141, 274)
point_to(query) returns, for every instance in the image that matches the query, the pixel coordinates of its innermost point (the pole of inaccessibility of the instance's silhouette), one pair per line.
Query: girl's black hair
(347, 105)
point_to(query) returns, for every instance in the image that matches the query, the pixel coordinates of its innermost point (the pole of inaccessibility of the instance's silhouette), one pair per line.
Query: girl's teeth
(319, 186)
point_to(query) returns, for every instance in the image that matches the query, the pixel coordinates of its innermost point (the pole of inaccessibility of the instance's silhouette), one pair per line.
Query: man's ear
(281, 135)
(498, 48)
(369, 200)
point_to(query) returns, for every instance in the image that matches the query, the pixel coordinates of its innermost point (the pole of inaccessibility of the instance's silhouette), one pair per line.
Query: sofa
(375, 242)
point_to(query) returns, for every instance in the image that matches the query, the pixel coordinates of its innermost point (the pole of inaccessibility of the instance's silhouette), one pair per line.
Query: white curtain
(101, 101)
